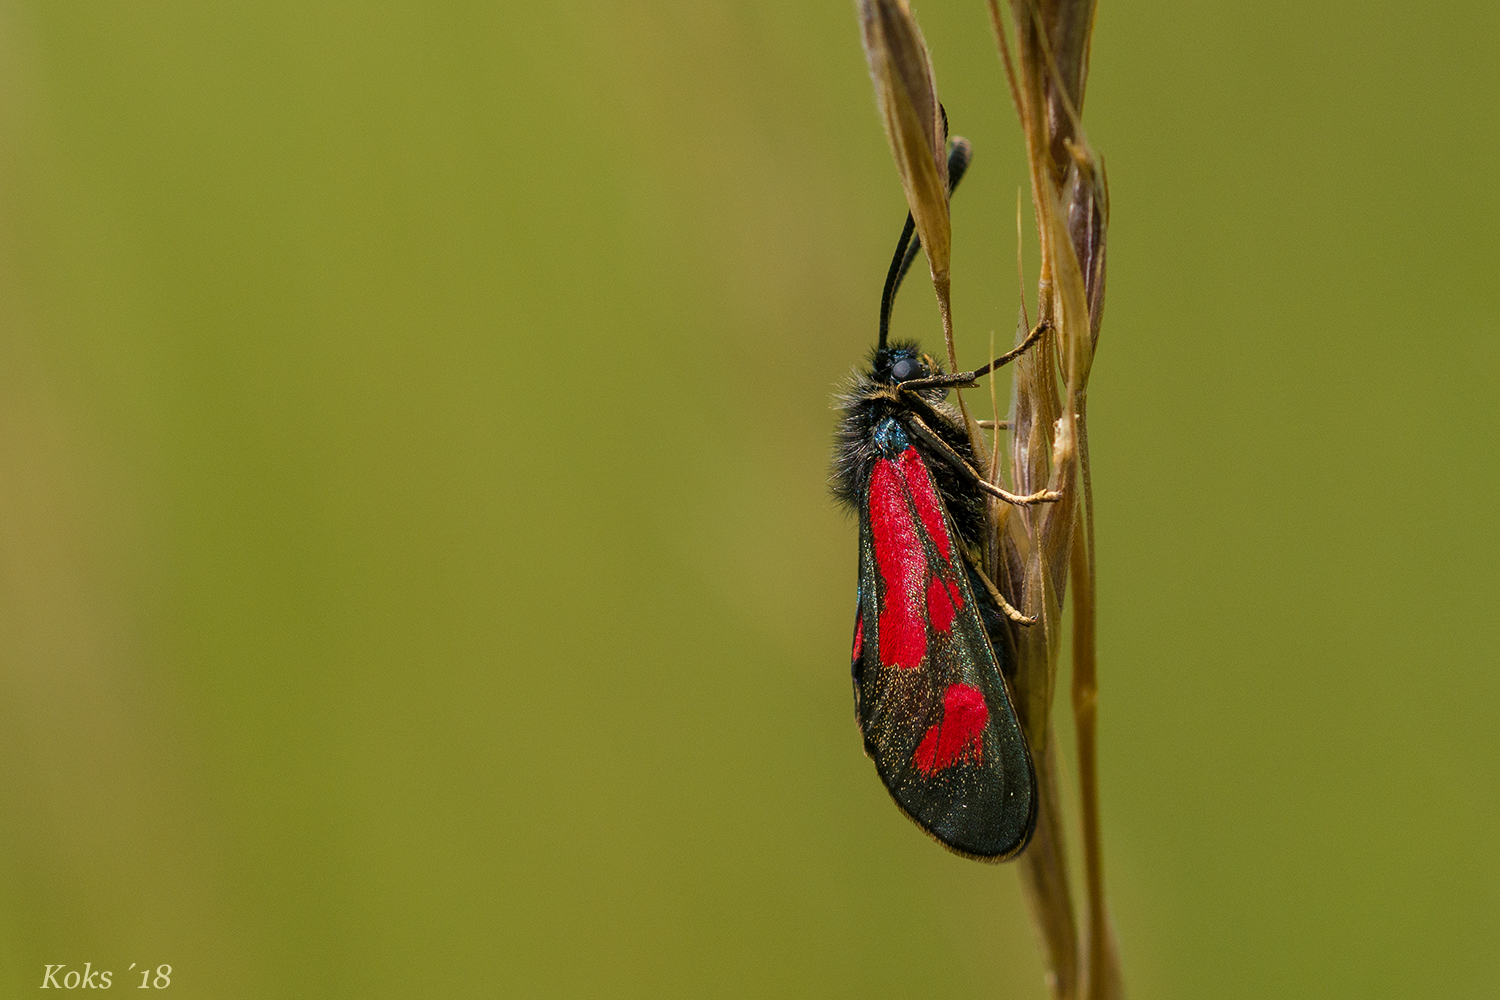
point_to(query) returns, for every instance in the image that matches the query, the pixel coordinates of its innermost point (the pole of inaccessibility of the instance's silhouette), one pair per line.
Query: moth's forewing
(943, 733)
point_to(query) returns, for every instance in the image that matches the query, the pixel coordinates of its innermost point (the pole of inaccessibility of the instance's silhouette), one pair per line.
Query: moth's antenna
(907, 246)
(958, 161)
(893, 279)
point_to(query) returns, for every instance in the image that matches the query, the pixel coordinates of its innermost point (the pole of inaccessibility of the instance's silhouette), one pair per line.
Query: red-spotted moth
(930, 694)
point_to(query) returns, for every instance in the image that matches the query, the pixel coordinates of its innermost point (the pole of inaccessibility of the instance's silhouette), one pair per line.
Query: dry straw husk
(1034, 550)
(906, 93)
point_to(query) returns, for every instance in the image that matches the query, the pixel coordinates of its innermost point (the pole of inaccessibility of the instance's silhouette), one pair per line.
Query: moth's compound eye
(907, 369)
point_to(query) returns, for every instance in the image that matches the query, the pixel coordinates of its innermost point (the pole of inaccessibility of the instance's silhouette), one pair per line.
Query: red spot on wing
(919, 481)
(940, 605)
(903, 567)
(959, 735)
(859, 636)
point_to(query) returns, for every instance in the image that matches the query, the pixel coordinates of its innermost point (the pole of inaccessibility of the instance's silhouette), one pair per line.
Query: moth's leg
(998, 597)
(965, 380)
(955, 460)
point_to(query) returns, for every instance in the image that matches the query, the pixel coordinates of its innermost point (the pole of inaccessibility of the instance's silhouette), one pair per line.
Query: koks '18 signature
(53, 977)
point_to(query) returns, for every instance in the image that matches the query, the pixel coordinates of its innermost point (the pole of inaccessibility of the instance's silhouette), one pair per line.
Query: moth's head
(902, 362)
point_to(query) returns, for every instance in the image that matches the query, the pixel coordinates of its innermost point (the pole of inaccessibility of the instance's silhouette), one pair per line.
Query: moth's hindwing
(929, 695)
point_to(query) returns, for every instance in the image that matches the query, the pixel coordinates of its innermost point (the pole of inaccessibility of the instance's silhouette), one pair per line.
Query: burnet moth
(930, 694)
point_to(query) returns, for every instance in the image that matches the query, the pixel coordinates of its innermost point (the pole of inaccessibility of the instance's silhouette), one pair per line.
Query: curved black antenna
(893, 279)
(958, 161)
(907, 246)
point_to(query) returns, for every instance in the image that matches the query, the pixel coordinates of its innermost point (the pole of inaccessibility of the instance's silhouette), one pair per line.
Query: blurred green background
(417, 575)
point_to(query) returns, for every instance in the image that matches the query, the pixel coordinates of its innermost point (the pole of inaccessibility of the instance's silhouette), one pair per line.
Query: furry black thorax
(870, 398)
